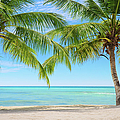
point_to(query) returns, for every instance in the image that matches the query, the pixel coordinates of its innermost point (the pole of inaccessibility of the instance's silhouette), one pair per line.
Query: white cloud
(7, 70)
(7, 67)
(40, 2)
(39, 7)
(9, 64)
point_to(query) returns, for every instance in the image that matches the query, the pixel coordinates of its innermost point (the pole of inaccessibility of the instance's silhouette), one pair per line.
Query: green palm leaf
(79, 53)
(38, 41)
(109, 6)
(90, 10)
(74, 33)
(4, 6)
(5, 12)
(50, 63)
(17, 4)
(85, 50)
(34, 39)
(37, 20)
(21, 52)
(18, 35)
(86, 41)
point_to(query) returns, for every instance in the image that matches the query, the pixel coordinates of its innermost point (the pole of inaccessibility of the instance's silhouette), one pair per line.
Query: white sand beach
(71, 112)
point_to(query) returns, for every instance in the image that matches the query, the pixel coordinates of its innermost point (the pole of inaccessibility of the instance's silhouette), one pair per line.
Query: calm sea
(56, 95)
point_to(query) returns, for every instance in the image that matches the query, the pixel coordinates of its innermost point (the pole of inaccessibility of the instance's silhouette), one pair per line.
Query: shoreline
(10, 109)
(60, 112)
(55, 106)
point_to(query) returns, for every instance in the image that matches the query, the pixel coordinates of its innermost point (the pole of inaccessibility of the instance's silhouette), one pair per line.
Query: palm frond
(37, 20)
(94, 6)
(17, 4)
(79, 53)
(22, 42)
(86, 50)
(117, 8)
(90, 11)
(34, 39)
(39, 42)
(15, 46)
(74, 33)
(5, 12)
(4, 6)
(118, 53)
(109, 6)
(50, 63)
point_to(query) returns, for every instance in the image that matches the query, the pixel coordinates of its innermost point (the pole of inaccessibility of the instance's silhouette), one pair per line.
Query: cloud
(9, 64)
(7, 67)
(7, 70)
(39, 7)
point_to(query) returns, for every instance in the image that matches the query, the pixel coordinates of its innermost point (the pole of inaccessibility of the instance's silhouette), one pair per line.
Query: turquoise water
(62, 95)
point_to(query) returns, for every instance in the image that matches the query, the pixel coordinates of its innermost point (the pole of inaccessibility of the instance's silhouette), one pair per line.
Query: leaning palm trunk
(114, 74)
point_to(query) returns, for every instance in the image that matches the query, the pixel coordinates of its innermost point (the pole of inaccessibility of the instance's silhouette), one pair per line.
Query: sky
(90, 73)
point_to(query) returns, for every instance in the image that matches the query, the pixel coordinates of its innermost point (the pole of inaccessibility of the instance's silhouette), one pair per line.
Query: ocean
(56, 95)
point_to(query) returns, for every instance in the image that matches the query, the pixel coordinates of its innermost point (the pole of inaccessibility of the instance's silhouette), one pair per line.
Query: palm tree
(93, 39)
(19, 36)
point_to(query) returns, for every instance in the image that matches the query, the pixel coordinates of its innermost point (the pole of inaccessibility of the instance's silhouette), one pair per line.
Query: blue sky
(90, 73)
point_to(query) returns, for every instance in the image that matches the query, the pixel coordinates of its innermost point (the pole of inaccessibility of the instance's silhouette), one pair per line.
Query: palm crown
(92, 39)
(89, 33)
(19, 37)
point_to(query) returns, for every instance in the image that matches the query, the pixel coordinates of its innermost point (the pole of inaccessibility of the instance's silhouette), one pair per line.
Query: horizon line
(56, 85)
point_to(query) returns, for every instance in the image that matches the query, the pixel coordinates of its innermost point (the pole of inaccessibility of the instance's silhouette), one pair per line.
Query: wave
(100, 93)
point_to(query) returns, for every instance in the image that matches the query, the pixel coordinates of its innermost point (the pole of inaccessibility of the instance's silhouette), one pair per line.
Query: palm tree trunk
(114, 74)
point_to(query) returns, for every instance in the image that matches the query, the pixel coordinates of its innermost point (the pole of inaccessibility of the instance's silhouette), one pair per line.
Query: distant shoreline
(55, 86)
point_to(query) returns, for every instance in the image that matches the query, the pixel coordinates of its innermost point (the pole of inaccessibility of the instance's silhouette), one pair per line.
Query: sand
(71, 112)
